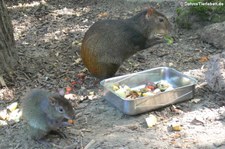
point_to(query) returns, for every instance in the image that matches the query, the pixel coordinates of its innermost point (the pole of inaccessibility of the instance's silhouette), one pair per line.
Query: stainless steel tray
(183, 85)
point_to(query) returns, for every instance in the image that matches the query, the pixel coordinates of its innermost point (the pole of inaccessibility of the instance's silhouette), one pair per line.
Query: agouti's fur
(45, 112)
(108, 43)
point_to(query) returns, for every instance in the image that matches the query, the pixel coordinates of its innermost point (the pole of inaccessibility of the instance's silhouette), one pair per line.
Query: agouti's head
(156, 26)
(61, 110)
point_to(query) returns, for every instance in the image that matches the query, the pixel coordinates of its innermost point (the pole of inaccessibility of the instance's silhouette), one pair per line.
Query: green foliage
(183, 18)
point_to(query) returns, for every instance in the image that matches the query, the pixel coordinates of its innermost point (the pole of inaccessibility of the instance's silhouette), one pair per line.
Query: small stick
(89, 144)
(25, 75)
(2, 81)
(56, 146)
(71, 146)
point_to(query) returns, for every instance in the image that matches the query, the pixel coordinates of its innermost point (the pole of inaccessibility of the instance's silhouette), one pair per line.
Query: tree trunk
(7, 42)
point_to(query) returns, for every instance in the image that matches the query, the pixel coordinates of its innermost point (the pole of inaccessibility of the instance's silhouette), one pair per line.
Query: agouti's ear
(150, 11)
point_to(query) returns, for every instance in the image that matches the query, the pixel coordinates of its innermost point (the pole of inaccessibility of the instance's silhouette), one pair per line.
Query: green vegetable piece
(169, 40)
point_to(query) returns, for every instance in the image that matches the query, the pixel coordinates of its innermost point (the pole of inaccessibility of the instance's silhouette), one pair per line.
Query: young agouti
(108, 43)
(45, 112)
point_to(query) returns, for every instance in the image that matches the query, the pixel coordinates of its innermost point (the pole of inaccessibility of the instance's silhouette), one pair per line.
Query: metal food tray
(184, 88)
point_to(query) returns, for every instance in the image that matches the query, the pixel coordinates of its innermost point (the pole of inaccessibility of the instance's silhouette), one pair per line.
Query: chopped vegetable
(151, 121)
(71, 121)
(12, 106)
(169, 40)
(176, 127)
(150, 89)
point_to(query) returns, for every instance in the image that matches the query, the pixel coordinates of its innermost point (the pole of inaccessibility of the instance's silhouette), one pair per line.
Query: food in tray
(149, 89)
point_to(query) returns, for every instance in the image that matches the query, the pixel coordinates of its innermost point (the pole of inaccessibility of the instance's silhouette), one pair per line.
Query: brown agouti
(45, 112)
(108, 43)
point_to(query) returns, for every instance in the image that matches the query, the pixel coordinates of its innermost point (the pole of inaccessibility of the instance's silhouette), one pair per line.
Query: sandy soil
(48, 38)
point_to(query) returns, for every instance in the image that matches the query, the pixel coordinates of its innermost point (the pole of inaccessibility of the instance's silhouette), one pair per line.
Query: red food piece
(73, 83)
(68, 90)
(150, 87)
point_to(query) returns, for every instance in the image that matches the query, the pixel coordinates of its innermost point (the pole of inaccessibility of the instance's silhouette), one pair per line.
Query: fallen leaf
(81, 75)
(103, 14)
(176, 136)
(196, 100)
(197, 121)
(78, 60)
(3, 114)
(204, 59)
(176, 110)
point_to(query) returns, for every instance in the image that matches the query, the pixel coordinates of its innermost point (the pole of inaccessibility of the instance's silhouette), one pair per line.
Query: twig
(57, 146)
(71, 146)
(89, 144)
(25, 74)
(2, 81)
(81, 139)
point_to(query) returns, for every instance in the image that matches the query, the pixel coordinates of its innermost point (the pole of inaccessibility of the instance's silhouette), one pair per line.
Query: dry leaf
(176, 110)
(195, 100)
(103, 14)
(204, 59)
(176, 136)
(81, 75)
(197, 121)
(3, 114)
(78, 60)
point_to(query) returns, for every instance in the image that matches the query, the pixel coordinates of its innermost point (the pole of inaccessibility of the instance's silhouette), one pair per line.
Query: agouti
(108, 43)
(45, 112)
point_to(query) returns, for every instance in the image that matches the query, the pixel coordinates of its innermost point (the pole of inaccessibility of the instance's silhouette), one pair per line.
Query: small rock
(215, 74)
(214, 34)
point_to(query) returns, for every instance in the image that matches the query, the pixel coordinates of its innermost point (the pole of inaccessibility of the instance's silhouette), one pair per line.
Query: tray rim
(194, 82)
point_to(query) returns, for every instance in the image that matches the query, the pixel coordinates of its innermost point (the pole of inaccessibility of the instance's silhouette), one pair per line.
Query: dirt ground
(48, 37)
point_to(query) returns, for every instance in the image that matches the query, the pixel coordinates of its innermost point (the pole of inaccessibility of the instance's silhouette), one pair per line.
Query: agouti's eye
(60, 109)
(161, 20)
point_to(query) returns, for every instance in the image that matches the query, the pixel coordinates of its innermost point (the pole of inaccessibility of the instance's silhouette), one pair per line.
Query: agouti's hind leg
(108, 70)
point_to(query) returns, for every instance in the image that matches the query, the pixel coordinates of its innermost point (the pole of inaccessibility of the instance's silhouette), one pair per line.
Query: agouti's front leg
(37, 134)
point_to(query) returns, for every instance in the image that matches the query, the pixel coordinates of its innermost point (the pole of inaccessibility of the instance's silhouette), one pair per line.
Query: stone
(214, 34)
(215, 75)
